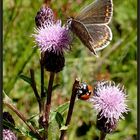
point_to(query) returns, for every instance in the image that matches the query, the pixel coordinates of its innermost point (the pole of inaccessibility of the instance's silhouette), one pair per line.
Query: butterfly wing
(98, 12)
(91, 25)
(101, 36)
(82, 33)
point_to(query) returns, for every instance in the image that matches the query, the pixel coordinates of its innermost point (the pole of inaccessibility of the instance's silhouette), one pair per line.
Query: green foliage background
(116, 62)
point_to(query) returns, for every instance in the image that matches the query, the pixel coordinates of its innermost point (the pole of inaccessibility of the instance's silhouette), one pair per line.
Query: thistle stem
(48, 102)
(33, 85)
(71, 106)
(102, 135)
(43, 93)
(42, 79)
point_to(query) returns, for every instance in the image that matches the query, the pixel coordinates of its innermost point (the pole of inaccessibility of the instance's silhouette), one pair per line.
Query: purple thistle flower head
(50, 35)
(44, 16)
(109, 101)
(52, 38)
(8, 135)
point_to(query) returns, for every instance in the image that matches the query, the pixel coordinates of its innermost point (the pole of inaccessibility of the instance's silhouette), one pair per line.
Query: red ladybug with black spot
(84, 91)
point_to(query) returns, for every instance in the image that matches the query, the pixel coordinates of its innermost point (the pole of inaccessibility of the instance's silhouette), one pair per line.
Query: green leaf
(32, 117)
(8, 124)
(64, 127)
(12, 127)
(25, 78)
(59, 111)
(6, 98)
(41, 130)
(31, 135)
(52, 116)
(62, 108)
(32, 120)
(59, 119)
(55, 86)
(23, 131)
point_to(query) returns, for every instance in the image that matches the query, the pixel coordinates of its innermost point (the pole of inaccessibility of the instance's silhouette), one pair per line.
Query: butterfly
(91, 25)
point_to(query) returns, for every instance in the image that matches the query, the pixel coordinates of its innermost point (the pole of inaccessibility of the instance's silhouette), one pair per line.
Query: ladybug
(84, 91)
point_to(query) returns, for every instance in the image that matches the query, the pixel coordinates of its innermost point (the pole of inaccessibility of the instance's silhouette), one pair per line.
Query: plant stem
(71, 106)
(23, 118)
(33, 85)
(102, 135)
(48, 102)
(42, 78)
(43, 93)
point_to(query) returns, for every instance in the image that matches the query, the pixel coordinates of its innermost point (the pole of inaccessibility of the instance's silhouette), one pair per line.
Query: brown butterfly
(91, 25)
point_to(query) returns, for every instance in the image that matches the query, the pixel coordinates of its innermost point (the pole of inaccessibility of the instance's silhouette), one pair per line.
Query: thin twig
(23, 118)
(102, 135)
(71, 106)
(33, 85)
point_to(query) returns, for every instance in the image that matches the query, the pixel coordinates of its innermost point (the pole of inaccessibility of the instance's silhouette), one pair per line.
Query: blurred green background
(117, 62)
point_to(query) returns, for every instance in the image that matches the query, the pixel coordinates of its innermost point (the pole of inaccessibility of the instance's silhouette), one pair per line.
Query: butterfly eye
(69, 22)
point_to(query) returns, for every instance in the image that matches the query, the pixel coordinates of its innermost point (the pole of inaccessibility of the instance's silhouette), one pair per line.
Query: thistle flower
(52, 39)
(8, 135)
(50, 35)
(109, 101)
(44, 16)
